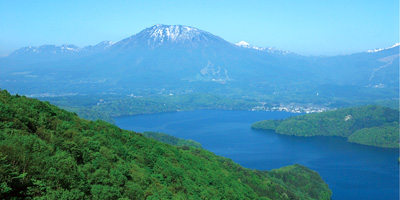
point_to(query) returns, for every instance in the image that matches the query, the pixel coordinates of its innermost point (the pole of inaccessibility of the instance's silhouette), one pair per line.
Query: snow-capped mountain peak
(160, 34)
(243, 44)
(379, 49)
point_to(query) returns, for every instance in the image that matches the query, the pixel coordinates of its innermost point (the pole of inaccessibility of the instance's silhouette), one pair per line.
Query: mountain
(178, 51)
(182, 59)
(177, 35)
(172, 57)
(49, 153)
(368, 69)
(368, 125)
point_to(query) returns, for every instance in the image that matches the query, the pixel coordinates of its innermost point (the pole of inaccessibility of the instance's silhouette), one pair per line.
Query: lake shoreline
(227, 133)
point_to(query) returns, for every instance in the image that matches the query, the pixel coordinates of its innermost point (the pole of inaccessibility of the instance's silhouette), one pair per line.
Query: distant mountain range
(182, 59)
(47, 50)
(268, 49)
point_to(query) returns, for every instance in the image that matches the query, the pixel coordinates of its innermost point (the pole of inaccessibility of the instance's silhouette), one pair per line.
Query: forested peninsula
(367, 125)
(50, 153)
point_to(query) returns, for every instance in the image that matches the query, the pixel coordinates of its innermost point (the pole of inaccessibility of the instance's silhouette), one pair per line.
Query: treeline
(49, 153)
(369, 125)
(156, 104)
(104, 107)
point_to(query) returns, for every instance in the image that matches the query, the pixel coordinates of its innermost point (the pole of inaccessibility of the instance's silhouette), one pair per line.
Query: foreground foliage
(369, 125)
(49, 153)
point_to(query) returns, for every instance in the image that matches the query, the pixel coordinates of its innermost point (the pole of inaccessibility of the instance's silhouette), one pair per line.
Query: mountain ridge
(61, 49)
(168, 33)
(183, 59)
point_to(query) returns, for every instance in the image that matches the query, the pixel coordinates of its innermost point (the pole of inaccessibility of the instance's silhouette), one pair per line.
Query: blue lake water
(352, 171)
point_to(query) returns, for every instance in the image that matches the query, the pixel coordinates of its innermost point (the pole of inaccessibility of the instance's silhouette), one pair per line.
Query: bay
(352, 171)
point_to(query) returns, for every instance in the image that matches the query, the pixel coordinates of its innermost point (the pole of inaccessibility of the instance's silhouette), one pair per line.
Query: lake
(352, 171)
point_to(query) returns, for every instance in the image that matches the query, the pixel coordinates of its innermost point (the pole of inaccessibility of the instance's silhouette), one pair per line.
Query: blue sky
(307, 27)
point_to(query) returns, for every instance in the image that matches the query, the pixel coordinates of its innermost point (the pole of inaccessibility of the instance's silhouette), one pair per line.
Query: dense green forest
(162, 137)
(50, 153)
(89, 113)
(369, 125)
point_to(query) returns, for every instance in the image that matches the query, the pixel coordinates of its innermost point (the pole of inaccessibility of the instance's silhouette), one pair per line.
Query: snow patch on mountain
(243, 44)
(163, 33)
(69, 48)
(379, 49)
(215, 73)
(266, 49)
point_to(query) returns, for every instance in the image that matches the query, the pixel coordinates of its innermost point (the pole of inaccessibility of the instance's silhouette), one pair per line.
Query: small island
(368, 125)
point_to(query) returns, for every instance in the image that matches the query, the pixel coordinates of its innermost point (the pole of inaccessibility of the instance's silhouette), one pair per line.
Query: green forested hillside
(383, 136)
(162, 137)
(49, 153)
(369, 125)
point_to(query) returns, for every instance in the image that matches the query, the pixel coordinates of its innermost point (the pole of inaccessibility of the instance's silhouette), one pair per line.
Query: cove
(352, 171)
